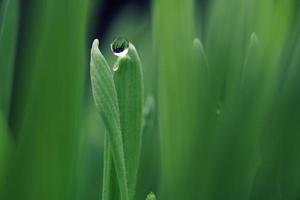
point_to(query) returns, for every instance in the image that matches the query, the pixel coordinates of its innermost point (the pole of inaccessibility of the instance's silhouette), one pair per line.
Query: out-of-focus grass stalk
(179, 106)
(245, 91)
(288, 148)
(235, 137)
(6, 148)
(9, 13)
(47, 99)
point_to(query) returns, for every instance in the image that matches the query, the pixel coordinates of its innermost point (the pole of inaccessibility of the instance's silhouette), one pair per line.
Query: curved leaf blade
(8, 38)
(129, 85)
(105, 97)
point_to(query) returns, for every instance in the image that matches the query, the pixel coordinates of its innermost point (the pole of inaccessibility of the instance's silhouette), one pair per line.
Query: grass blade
(47, 99)
(106, 100)
(9, 12)
(110, 184)
(129, 85)
(179, 97)
(5, 154)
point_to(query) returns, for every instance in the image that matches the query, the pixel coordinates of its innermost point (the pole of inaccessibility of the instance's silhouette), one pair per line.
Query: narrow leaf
(8, 36)
(105, 97)
(129, 84)
(5, 153)
(110, 184)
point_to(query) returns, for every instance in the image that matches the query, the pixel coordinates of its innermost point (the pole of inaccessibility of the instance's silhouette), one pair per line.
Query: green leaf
(9, 12)
(178, 100)
(105, 97)
(110, 184)
(129, 84)
(47, 100)
(5, 150)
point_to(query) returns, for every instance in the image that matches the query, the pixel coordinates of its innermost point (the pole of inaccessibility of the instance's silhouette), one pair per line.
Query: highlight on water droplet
(120, 46)
(115, 67)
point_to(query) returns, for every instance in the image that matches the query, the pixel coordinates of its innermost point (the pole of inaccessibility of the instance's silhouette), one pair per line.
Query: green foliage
(106, 100)
(221, 116)
(5, 154)
(9, 13)
(119, 99)
(129, 85)
(230, 146)
(46, 101)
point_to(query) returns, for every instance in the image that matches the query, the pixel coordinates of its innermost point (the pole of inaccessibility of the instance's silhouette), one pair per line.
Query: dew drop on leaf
(120, 46)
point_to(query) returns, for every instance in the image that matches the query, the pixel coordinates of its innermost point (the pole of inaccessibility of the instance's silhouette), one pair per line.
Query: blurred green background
(227, 114)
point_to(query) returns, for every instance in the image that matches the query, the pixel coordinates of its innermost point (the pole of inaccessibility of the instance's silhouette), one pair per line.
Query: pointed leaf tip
(106, 101)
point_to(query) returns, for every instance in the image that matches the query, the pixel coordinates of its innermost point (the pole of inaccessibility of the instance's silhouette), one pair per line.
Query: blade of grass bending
(8, 34)
(129, 85)
(105, 97)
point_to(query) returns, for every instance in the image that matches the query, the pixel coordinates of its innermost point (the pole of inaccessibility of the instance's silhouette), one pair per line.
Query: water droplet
(120, 46)
(115, 67)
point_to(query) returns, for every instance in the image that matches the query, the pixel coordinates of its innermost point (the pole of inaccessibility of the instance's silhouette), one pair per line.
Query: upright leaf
(5, 150)
(106, 100)
(47, 99)
(9, 12)
(129, 84)
(110, 188)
